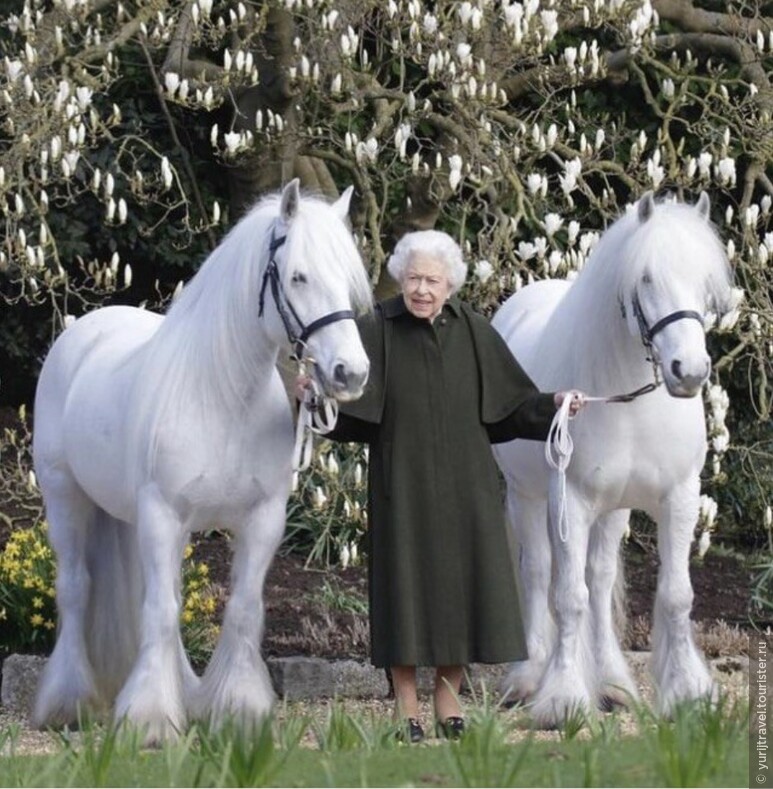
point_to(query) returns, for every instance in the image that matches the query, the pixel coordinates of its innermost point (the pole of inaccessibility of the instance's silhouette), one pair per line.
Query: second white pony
(638, 304)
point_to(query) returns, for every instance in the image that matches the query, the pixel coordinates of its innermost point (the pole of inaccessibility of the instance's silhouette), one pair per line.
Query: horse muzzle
(682, 383)
(345, 383)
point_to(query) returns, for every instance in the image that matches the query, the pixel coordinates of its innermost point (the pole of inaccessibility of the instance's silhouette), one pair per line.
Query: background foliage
(132, 134)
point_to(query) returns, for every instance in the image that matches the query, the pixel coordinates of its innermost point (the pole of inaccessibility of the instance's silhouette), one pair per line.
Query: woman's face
(425, 285)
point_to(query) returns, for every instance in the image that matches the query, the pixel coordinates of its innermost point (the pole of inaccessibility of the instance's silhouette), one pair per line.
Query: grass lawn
(703, 746)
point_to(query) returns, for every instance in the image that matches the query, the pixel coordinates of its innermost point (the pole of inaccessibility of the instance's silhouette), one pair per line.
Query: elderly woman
(443, 386)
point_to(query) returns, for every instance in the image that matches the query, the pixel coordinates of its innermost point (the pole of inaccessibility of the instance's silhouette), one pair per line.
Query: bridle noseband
(298, 333)
(647, 332)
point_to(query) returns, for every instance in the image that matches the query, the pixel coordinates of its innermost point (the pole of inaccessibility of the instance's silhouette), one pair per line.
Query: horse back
(522, 318)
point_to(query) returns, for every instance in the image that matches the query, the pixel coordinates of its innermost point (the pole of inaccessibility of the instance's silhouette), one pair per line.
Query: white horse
(639, 302)
(148, 428)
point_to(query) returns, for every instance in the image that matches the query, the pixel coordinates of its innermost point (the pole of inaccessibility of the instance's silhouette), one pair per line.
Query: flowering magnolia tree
(133, 133)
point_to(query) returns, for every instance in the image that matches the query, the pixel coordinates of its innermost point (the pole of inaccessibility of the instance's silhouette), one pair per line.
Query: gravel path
(731, 675)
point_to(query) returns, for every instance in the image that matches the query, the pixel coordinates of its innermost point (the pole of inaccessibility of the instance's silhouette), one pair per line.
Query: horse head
(317, 282)
(683, 267)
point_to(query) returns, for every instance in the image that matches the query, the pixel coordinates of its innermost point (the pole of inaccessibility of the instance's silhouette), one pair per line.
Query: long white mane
(209, 348)
(586, 339)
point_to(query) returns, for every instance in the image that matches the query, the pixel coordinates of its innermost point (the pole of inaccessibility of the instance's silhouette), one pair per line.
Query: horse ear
(646, 206)
(703, 206)
(288, 203)
(341, 206)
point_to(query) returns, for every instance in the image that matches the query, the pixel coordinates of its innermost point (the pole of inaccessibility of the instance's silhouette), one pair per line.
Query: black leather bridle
(647, 334)
(297, 331)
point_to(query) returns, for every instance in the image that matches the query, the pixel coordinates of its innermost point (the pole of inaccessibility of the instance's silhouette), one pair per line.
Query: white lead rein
(316, 414)
(559, 446)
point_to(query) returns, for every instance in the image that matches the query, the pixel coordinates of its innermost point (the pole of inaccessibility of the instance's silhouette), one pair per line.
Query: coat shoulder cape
(504, 383)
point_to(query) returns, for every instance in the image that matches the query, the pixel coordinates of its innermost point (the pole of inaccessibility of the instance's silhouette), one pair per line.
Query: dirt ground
(309, 611)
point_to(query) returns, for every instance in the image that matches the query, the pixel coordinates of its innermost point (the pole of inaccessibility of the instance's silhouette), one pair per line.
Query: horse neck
(213, 346)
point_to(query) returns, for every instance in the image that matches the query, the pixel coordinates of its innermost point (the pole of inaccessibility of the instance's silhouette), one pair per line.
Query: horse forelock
(319, 243)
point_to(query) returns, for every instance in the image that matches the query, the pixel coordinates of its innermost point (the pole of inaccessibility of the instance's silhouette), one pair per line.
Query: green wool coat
(442, 583)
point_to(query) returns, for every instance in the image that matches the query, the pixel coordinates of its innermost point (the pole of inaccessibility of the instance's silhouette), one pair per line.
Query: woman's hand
(578, 400)
(302, 384)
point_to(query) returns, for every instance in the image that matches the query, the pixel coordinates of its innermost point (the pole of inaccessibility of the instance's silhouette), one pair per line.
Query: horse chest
(630, 458)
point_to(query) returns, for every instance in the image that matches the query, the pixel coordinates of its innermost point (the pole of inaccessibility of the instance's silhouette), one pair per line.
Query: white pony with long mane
(639, 301)
(148, 428)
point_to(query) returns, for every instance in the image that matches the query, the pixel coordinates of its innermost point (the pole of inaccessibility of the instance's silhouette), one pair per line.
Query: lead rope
(558, 453)
(317, 414)
(559, 446)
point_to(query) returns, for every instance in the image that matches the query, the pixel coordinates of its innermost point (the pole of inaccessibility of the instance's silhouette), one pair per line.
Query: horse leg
(153, 697)
(616, 686)
(567, 685)
(679, 669)
(528, 520)
(67, 686)
(236, 684)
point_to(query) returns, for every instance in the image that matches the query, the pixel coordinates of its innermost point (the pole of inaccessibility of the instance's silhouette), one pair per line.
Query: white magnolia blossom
(719, 402)
(344, 556)
(318, 499)
(171, 82)
(534, 183)
(483, 270)
(366, 151)
(721, 441)
(726, 171)
(572, 170)
(332, 465)
(553, 223)
(704, 543)
(455, 170)
(549, 19)
(526, 250)
(704, 164)
(233, 142)
(166, 173)
(707, 512)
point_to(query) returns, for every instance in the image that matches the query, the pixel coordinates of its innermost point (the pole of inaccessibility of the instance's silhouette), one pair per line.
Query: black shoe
(451, 728)
(410, 730)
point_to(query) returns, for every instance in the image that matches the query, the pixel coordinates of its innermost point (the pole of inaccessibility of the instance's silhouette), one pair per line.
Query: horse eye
(646, 279)
(298, 278)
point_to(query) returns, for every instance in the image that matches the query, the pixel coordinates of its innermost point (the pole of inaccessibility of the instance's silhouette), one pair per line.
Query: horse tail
(619, 597)
(113, 616)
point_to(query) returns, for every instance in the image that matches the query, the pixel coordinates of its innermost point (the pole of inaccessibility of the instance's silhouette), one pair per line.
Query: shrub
(326, 515)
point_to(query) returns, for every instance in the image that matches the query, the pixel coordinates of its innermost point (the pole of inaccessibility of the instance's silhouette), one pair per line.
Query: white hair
(431, 242)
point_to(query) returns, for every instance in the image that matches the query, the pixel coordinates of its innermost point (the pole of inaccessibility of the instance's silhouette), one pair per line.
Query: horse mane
(209, 346)
(585, 339)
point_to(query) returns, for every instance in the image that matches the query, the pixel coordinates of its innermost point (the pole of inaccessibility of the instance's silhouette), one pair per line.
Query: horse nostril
(339, 374)
(676, 368)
